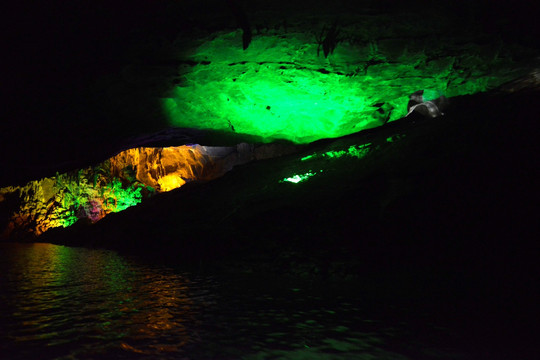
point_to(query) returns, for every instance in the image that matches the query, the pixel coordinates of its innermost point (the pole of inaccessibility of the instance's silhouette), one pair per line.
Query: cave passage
(281, 91)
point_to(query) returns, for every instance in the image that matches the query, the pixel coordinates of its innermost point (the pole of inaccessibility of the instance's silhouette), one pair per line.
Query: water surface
(59, 302)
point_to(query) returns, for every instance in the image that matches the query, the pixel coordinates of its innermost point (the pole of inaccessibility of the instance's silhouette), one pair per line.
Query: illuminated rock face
(63, 199)
(122, 181)
(164, 169)
(283, 87)
(112, 186)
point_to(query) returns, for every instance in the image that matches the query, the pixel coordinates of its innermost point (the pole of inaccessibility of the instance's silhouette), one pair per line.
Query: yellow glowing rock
(170, 182)
(165, 169)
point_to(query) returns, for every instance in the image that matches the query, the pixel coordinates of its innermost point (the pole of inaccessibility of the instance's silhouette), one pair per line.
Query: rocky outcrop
(122, 181)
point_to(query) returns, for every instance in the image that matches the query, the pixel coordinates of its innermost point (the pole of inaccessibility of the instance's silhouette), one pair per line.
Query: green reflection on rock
(280, 89)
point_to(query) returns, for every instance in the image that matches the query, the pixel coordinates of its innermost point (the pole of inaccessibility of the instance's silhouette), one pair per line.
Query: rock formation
(122, 181)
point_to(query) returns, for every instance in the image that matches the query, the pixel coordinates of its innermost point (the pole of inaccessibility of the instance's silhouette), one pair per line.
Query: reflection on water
(59, 302)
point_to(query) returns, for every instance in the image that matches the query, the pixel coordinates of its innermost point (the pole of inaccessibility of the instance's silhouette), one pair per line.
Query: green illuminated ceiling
(279, 88)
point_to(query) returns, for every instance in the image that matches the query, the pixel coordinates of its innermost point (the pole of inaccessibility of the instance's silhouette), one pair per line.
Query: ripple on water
(61, 302)
(73, 303)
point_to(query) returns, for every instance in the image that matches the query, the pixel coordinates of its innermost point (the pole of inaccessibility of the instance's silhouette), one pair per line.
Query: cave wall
(82, 77)
(124, 180)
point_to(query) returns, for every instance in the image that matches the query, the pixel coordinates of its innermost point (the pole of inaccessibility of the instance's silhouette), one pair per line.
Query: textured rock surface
(117, 183)
(284, 87)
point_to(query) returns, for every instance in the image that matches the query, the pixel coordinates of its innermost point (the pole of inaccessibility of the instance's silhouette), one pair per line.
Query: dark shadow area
(80, 78)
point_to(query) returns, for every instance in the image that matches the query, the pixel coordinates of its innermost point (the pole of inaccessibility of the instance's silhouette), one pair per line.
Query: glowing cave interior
(257, 90)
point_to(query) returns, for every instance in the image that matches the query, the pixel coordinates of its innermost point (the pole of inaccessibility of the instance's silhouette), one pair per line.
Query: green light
(336, 154)
(394, 138)
(430, 94)
(280, 89)
(307, 157)
(299, 177)
(78, 197)
(295, 179)
(358, 151)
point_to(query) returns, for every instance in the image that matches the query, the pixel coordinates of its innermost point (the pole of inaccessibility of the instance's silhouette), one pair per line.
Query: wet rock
(428, 108)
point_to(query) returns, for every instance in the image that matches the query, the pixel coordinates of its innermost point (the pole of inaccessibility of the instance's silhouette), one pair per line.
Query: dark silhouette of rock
(242, 21)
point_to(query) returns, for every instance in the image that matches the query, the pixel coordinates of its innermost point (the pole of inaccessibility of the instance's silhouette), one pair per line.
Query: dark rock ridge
(449, 186)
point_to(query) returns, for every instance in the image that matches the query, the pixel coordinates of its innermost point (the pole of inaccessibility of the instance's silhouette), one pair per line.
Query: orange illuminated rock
(118, 183)
(165, 169)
